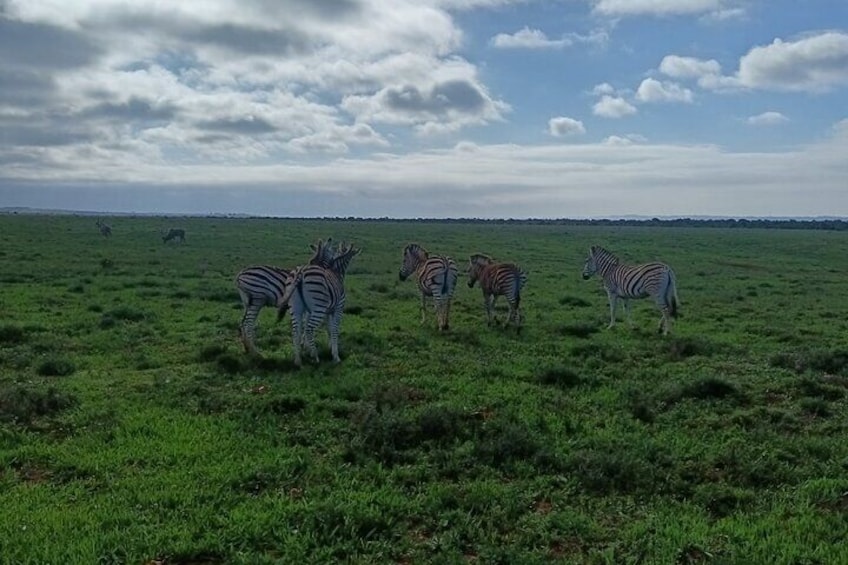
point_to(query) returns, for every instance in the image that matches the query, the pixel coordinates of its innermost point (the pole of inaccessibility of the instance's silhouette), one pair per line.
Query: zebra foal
(498, 279)
(436, 275)
(174, 233)
(265, 285)
(316, 295)
(656, 280)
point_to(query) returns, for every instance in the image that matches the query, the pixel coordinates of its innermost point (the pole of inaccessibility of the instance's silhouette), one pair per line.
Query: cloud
(527, 38)
(443, 106)
(652, 90)
(622, 140)
(613, 107)
(562, 126)
(603, 88)
(657, 7)
(815, 63)
(624, 175)
(767, 119)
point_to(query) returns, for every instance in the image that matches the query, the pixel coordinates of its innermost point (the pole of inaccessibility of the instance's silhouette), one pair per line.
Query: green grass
(133, 429)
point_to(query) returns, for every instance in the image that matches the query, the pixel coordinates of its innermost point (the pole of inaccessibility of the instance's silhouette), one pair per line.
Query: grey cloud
(458, 95)
(132, 110)
(251, 40)
(240, 126)
(24, 88)
(19, 135)
(326, 9)
(43, 46)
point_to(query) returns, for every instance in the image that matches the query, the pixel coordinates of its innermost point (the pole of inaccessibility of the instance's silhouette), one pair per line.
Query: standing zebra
(105, 229)
(265, 285)
(634, 281)
(316, 295)
(497, 279)
(437, 277)
(174, 233)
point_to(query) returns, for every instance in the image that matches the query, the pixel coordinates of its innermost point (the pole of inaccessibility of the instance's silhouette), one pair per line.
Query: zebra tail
(671, 293)
(283, 302)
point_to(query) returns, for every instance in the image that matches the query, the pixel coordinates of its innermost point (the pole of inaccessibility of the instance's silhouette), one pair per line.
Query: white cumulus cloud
(652, 90)
(767, 119)
(527, 38)
(613, 107)
(561, 126)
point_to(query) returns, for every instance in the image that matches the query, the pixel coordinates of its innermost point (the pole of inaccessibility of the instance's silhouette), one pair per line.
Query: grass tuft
(561, 377)
(56, 367)
(12, 335)
(578, 330)
(23, 404)
(575, 301)
(679, 348)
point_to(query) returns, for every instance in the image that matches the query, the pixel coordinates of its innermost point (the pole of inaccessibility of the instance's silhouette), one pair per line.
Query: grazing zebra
(316, 295)
(105, 229)
(437, 277)
(265, 285)
(634, 281)
(498, 279)
(174, 233)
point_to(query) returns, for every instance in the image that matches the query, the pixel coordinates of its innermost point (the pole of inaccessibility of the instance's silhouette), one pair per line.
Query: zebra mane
(323, 253)
(599, 252)
(417, 250)
(342, 257)
(481, 259)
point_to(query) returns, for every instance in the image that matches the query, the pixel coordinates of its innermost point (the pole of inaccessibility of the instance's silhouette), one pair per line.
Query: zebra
(105, 229)
(174, 233)
(316, 295)
(634, 281)
(265, 285)
(437, 276)
(498, 279)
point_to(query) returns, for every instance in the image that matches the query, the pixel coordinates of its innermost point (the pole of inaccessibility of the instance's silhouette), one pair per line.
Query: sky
(426, 108)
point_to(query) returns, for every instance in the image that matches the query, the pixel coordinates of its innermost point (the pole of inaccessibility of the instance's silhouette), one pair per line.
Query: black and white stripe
(266, 285)
(316, 295)
(498, 279)
(656, 280)
(436, 275)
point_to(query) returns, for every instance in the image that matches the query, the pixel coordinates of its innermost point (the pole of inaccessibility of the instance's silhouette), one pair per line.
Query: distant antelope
(105, 229)
(174, 233)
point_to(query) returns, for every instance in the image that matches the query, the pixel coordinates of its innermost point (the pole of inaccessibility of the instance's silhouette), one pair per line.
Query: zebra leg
(488, 305)
(333, 325)
(247, 329)
(613, 302)
(297, 337)
(313, 322)
(423, 308)
(446, 313)
(627, 317)
(665, 321)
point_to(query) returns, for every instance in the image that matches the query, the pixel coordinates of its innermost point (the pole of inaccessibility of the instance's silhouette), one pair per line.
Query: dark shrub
(56, 367)
(11, 335)
(23, 404)
(560, 377)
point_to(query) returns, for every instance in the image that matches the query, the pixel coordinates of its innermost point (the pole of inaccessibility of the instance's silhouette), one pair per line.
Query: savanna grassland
(133, 429)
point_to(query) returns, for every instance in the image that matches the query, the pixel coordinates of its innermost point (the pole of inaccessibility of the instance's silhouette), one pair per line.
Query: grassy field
(134, 430)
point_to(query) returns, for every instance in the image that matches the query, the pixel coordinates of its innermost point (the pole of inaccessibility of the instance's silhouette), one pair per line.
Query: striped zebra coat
(656, 280)
(316, 295)
(436, 275)
(265, 285)
(105, 229)
(498, 279)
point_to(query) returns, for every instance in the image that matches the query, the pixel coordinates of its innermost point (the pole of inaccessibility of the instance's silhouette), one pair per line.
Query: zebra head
(322, 253)
(476, 264)
(413, 255)
(599, 260)
(342, 258)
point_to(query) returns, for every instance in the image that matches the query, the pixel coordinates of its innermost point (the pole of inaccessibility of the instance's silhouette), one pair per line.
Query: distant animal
(316, 295)
(265, 285)
(498, 279)
(436, 275)
(174, 233)
(656, 280)
(105, 229)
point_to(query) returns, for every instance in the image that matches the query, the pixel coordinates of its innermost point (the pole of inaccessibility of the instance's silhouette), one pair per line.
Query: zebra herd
(173, 234)
(315, 291)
